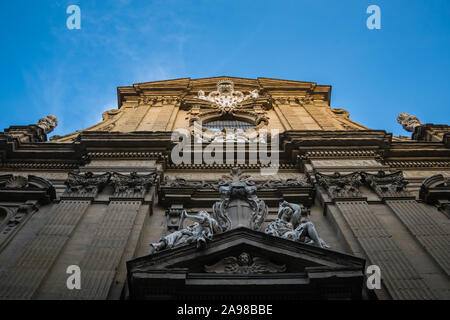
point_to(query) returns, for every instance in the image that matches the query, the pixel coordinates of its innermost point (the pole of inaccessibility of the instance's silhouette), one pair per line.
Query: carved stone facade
(112, 200)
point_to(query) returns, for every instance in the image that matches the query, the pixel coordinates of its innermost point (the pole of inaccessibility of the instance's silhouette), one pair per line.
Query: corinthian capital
(132, 185)
(387, 185)
(85, 184)
(340, 186)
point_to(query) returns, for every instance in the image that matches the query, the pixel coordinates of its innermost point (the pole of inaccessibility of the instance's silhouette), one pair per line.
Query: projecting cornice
(187, 86)
(295, 145)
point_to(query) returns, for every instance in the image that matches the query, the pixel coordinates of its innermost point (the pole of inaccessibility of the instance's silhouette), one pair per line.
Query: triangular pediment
(294, 255)
(242, 262)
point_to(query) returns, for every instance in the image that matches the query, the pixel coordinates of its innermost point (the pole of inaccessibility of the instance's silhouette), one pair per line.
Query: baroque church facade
(225, 188)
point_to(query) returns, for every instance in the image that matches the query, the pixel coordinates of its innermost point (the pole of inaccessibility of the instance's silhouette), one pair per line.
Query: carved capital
(340, 186)
(387, 185)
(132, 185)
(85, 185)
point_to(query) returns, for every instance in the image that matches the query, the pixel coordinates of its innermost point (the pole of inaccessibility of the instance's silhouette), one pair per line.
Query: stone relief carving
(292, 224)
(239, 204)
(85, 183)
(173, 218)
(203, 229)
(393, 184)
(228, 135)
(15, 217)
(340, 186)
(408, 122)
(245, 264)
(132, 184)
(235, 175)
(226, 98)
(125, 186)
(48, 124)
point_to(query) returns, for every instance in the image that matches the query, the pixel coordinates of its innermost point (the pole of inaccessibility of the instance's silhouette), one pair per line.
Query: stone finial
(48, 124)
(408, 121)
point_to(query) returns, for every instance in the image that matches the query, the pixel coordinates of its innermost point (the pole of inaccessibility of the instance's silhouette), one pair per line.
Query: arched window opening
(221, 124)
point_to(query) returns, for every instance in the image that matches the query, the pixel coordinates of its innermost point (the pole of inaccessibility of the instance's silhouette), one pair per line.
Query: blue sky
(375, 74)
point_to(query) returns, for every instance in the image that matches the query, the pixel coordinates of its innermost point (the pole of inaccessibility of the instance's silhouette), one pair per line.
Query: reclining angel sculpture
(293, 225)
(203, 229)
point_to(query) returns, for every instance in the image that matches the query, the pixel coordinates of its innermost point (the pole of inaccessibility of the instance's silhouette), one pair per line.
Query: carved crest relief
(245, 264)
(226, 98)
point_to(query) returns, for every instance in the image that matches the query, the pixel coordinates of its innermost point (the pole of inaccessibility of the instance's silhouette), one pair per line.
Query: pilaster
(38, 256)
(398, 274)
(433, 236)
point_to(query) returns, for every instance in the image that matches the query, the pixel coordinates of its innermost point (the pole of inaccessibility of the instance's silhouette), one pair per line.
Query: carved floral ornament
(235, 175)
(347, 186)
(239, 206)
(340, 186)
(87, 182)
(386, 184)
(152, 100)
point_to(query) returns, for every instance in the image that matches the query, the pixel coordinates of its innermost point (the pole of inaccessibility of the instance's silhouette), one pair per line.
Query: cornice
(183, 86)
(41, 165)
(417, 164)
(341, 154)
(315, 144)
(204, 166)
(125, 155)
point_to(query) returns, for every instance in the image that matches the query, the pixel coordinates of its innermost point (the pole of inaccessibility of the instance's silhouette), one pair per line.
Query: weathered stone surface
(97, 197)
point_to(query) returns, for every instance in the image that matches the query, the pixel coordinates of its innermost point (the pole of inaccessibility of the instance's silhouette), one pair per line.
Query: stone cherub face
(244, 259)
